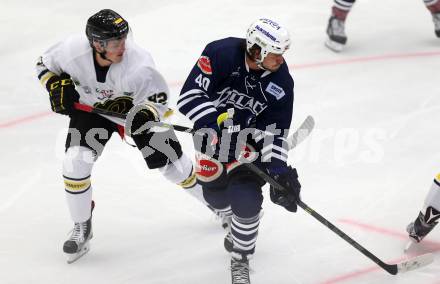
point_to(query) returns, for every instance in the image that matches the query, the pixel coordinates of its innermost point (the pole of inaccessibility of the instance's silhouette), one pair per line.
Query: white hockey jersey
(130, 82)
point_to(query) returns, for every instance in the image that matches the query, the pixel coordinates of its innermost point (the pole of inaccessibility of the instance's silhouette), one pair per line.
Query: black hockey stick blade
(409, 264)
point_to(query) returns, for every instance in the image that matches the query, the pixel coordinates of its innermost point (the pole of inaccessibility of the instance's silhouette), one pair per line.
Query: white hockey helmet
(269, 36)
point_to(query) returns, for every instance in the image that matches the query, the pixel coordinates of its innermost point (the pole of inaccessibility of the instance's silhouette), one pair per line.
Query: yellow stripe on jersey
(76, 186)
(189, 182)
(118, 20)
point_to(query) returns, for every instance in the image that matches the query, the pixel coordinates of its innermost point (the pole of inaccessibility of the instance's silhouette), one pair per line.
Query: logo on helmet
(118, 20)
(272, 23)
(266, 33)
(205, 65)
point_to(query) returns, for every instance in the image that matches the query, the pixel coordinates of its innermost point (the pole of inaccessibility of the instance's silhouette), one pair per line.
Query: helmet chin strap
(102, 55)
(260, 65)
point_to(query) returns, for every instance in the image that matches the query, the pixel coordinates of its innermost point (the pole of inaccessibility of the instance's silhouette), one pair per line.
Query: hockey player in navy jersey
(429, 217)
(107, 70)
(240, 95)
(340, 10)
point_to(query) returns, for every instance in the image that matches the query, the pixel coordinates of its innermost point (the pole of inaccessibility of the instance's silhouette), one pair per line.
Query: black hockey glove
(288, 178)
(141, 118)
(62, 93)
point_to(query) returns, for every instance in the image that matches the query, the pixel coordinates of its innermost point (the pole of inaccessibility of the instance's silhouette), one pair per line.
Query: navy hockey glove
(288, 178)
(62, 93)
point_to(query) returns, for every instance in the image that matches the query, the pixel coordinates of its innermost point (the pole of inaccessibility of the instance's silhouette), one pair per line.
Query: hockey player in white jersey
(429, 217)
(107, 70)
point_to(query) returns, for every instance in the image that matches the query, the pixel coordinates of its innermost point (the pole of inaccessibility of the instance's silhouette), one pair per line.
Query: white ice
(370, 161)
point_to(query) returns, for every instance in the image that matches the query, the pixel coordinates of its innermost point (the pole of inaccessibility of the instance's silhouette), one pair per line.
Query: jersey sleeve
(274, 126)
(197, 95)
(48, 64)
(151, 90)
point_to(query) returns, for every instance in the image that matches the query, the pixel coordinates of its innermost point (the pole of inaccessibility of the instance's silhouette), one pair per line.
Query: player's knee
(180, 172)
(158, 148)
(78, 161)
(77, 167)
(246, 198)
(216, 198)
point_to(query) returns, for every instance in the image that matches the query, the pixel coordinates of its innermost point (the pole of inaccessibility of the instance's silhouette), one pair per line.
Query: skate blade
(334, 46)
(71, 258)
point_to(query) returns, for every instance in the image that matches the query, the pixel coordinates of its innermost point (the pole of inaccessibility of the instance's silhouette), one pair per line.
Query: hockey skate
(240, 271)
(79, 242)
(424, 224)
(336, 34)
(436, 20)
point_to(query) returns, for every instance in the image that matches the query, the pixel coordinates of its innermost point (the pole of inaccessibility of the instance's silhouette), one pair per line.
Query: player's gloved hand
(288, 178)
(141, 118)
(234, 128)
(62, 93)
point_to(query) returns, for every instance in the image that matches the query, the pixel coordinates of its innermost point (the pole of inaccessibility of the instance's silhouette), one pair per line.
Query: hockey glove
(62, 93)
(288, 178)
(141, 118)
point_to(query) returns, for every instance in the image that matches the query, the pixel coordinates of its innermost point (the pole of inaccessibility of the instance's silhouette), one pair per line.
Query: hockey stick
(87, 108)
(410, 264)
(301, 133)
(293, 140)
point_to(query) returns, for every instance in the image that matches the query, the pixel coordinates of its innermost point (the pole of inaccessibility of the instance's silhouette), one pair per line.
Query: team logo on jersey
(250, 83)
(119, 105)
(205, 65)
(240, 101)
(275, 90)
(104, 94)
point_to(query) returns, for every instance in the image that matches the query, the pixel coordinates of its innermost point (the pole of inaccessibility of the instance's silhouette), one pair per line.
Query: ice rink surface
(367, 167)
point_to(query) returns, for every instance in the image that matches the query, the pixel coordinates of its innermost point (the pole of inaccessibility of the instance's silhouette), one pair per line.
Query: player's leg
(434, 7)
(336, 24)
(162, 150)
(245, 195)
(429, 217)
(88, 133)
(212, 178)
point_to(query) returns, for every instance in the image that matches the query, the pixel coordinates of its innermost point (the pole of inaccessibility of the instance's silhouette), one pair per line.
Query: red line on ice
(176, 84)
(24, 119)
(366, 59)
(398, 234)
(434, 246)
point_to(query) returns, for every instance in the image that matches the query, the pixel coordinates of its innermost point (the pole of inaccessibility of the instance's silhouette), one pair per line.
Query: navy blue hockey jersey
(221, 79)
